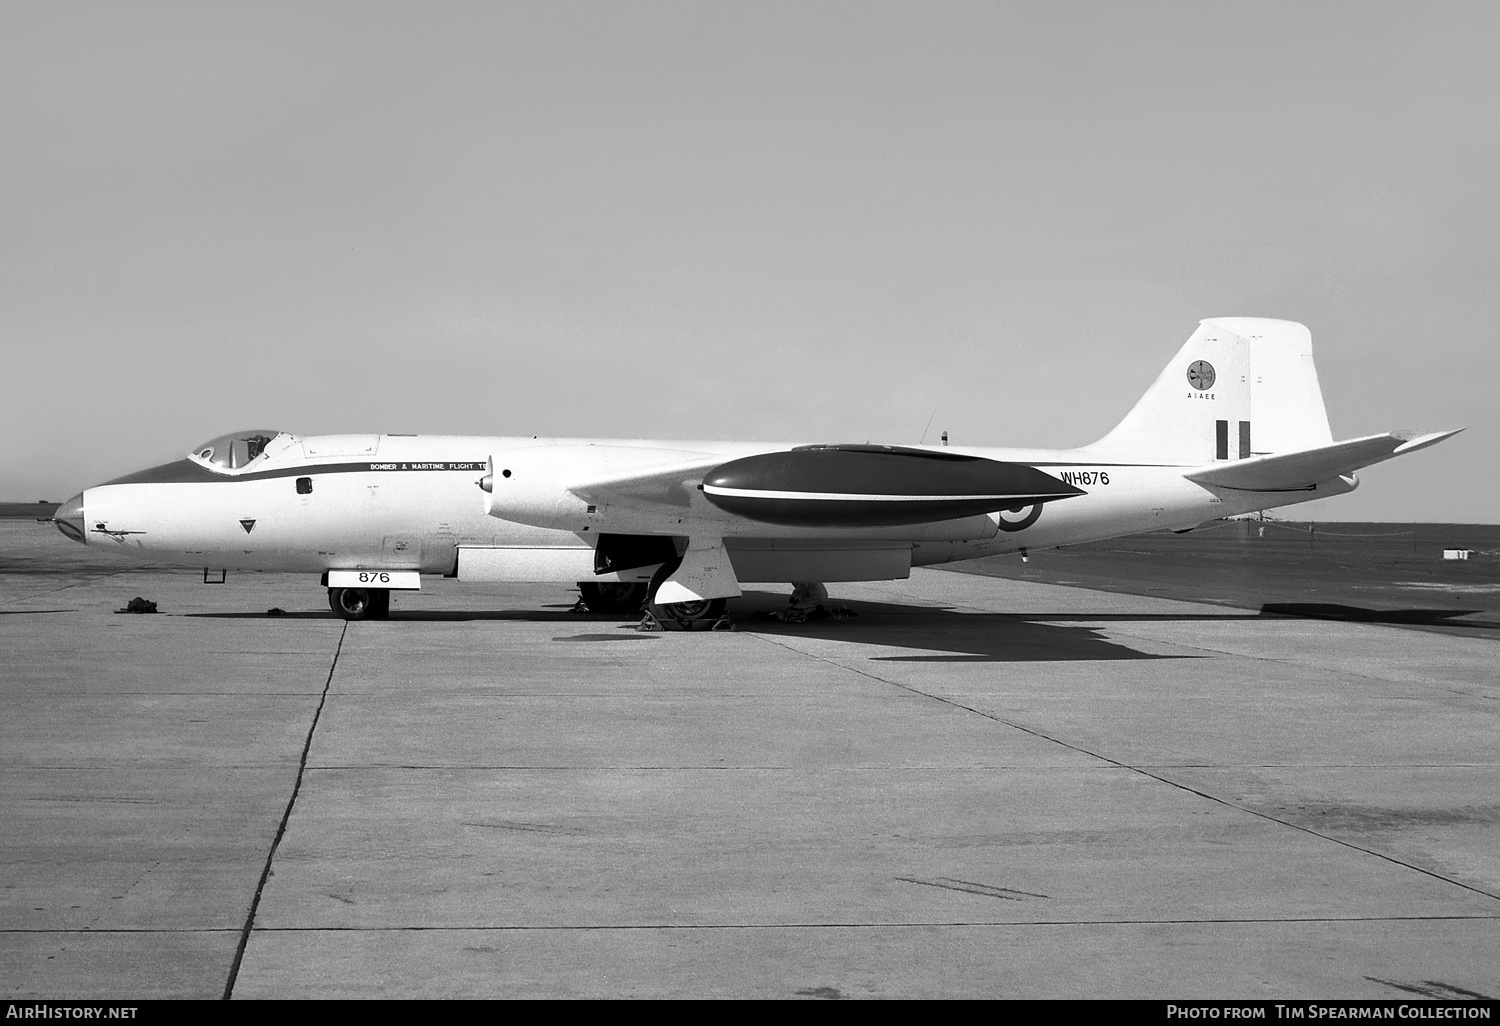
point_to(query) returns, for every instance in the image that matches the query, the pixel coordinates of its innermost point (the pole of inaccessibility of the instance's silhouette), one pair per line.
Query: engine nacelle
(532, 484)
(529, 486)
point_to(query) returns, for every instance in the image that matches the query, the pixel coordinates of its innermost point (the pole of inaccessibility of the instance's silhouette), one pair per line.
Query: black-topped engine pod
(874, 486)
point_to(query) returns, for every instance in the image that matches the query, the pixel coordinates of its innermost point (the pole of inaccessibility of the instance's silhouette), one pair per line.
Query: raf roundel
(1201, 375)
(1019, 518)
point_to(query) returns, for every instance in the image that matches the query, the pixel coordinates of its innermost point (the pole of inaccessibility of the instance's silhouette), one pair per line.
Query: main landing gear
(360, 603)
(622, 598)
(613, 597)
(703, 615)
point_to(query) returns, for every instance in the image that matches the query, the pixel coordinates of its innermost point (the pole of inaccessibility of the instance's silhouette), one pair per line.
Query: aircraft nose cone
(69, 519)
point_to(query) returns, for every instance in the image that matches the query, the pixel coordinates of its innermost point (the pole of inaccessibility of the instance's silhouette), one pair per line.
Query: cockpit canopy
(236, 449)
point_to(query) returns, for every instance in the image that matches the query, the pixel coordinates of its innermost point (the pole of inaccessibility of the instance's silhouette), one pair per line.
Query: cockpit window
(233, 451)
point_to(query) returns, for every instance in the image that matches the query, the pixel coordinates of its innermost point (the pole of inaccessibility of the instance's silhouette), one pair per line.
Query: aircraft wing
(830, 486)
(672, 486)
(639, 489)
(560, 486)
(1300, 471)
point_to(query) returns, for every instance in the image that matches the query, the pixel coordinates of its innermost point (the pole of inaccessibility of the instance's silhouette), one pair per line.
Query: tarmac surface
(976, 787)
(1371, 573)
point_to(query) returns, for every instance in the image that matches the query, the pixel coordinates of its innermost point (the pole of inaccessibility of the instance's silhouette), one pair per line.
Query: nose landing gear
(360, 603)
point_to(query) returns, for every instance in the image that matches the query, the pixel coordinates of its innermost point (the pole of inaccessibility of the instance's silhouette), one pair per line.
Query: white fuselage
(404, 502)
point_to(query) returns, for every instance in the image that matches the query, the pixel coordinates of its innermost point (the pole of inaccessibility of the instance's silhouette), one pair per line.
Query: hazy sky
(803, 221)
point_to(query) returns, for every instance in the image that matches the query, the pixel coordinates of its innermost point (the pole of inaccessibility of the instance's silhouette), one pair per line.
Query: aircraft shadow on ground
(976, 638)
(1441, 618)
(951, 635)
(421, 615)
(1358, 614)
(954, 636)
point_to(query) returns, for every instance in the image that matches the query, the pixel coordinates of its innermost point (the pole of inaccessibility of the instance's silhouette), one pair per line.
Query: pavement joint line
(106, 764)
(1274, 659)
(172, 694)
(625, 927)
(933, 768)
(265, 873)
(121, 929)
(1344, 673)
(1323, 765)
(78, 584)
(1148, 774)
(923, 925)
(693, 768)
(592, 768)
(1308, 830)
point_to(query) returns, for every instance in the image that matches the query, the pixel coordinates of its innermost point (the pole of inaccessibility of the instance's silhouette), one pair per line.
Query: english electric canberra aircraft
(1234, 424)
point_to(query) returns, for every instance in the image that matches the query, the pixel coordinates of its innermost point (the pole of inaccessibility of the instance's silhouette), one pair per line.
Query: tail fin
(1239, 387)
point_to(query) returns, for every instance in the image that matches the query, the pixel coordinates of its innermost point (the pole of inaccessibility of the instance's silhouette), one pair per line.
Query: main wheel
(681, 616)
(613, 596)
(689, 616)
(354, 603)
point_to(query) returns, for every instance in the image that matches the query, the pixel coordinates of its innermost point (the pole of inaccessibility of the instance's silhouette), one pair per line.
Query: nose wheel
(360, 603)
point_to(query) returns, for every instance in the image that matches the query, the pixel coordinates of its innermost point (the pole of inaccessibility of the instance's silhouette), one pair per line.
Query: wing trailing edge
(1301, 471)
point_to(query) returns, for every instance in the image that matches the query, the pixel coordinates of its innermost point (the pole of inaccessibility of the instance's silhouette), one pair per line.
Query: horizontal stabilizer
(1300, 471)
